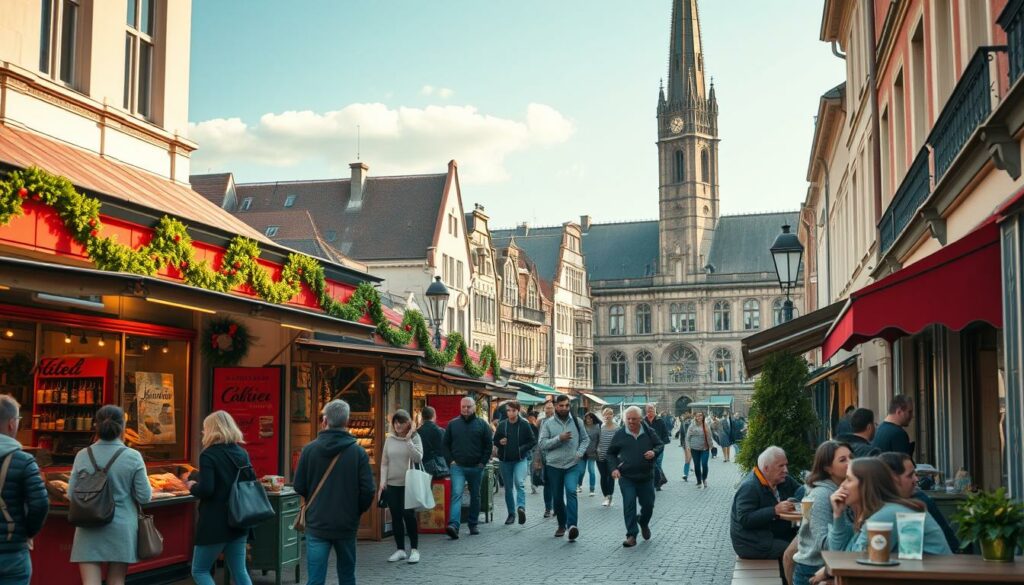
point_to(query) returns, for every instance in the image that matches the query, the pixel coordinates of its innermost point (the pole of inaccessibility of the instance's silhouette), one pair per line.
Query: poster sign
(154, 401)
(446, 408)
(253, 397)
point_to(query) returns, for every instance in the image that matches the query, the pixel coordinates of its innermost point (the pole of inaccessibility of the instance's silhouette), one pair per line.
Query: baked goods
(168, 483)
(57, 489)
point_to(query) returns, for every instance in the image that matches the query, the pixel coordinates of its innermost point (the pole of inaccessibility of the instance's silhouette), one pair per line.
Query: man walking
(23, 495)
(564, 441)
(337, 470)
(631, 456)
(891, 434)
(514, 439)
(657, 424)
(467, 442)
(434, 461)
(862, 425)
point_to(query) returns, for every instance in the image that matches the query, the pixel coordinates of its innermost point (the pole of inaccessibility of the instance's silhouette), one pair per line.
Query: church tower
(687, 153)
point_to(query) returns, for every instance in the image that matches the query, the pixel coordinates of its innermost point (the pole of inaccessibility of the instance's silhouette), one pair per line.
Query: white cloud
(441, 92)
(393, 140)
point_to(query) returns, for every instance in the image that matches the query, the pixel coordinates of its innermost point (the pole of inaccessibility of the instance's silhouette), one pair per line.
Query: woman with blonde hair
(604, 440)
(222, 462)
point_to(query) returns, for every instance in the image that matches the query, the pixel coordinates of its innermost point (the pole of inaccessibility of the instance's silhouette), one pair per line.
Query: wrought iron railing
(911, 194)
(1012, 21)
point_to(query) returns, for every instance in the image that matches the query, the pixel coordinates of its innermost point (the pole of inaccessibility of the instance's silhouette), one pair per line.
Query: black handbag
(537, 477)
(437, 467)
(248, 504)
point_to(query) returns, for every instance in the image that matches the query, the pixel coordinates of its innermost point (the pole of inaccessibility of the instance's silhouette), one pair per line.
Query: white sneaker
(607, 502)
(579, 490)
(592, 494)
(399, 555)
(414, 556)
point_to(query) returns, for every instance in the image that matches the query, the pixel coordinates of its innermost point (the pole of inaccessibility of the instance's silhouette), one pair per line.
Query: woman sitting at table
(828, 471)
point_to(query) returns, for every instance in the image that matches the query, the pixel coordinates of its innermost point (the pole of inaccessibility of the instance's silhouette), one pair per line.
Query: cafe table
(945, 569)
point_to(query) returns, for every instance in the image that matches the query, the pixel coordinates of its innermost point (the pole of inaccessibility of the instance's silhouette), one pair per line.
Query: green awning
(625, 400)
(713, 402)
(538, 388)
(528, 399)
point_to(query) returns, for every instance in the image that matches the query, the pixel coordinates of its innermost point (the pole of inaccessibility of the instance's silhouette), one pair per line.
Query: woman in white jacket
(402, 448)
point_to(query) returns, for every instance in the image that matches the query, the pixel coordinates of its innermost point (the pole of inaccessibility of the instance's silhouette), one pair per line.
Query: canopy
(798, 336)
(827, 371)
(712, 402)
(594, 399)
(625, 400)
(537, 387)
(956, 286)
(528, 399)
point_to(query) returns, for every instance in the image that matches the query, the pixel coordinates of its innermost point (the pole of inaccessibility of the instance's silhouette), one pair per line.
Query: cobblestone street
(690, 543)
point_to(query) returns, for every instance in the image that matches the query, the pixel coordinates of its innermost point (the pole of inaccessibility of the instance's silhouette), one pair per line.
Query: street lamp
(788, 255)
(437, 296)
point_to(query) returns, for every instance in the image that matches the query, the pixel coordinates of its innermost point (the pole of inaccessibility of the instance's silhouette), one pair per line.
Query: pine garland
(172, 246)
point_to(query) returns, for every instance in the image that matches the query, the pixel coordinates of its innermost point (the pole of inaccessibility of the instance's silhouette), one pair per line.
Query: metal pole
(437, 334)
(787, 309)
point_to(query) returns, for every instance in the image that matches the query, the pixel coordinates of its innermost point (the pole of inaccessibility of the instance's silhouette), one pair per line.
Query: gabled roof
(214, 186)
(741, 242)
(543, 245)
(397, 218)
(618, 251)
(297, 230)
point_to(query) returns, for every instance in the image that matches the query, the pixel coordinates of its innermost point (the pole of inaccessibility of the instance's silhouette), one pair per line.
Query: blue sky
(547, 105)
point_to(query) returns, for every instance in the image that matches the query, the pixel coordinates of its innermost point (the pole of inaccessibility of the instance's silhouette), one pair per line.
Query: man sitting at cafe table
(756, 528)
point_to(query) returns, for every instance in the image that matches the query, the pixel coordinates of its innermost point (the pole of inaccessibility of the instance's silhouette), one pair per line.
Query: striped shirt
(605, 440)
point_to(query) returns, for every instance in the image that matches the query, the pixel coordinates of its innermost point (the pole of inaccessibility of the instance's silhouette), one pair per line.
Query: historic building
(672, 298)
(525, 314)
(484, 281)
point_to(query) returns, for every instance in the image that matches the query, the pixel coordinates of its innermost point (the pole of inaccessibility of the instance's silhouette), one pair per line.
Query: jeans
(205, 555)
(591, 466)
(318, 553)
(607, 481)
(632, 491)
(563, 487)
(802, 573)
(700, 464)
(403, 521)
(15, 568)
(549, 492)
(514, 475)
(460, 476)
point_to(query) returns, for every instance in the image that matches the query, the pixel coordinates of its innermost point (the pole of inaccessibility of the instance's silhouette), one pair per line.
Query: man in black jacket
(23, 494)
(657, 424)
(434, 461)
(862, 421)
(467, 444)
(514, 440)
(632, 457)
(756, 529)
(332, 517)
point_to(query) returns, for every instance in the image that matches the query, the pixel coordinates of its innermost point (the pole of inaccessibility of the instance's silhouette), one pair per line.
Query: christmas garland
(225, 342)
(172, 246)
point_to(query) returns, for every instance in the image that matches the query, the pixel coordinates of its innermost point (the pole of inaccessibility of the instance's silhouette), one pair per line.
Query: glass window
(721, 316)
(644, 367)
(705, 166)
(682, 365)
(616, 320)
(289, 201)
(643, 319)
(680, 167)
(155, 389)
(45, 38)
(145, 79)
(138, 58)
(683, 317)
(68, 41)
(246, 204)
(331, 235)
(619, 367)
(751, 314)
(272, 231)
(722, 362)
(511, 284)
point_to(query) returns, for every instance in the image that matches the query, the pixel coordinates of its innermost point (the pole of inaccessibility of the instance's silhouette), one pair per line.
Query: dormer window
(246, 204)
(331, 235)
(289, 201)
(271, 231)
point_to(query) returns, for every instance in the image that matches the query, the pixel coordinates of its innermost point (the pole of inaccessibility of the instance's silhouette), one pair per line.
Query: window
(683, 317)
(331, 235)
(459, 269)
(616, 320)
(644, 367)
(942, 65)
(446, 275)
(918, 89)
(619, 367)
(138, 58)
(246, 204)
(583, 367)
(643, 319)
(531, 295)
(682, 365)
(721, 316)
(574, 242)
(289, 201)
(778, 315)
(751, 314)
(722, 362)
(510, 284)
(705, 166)
(59, 55)
(271, 231)
(596, 368)
(680, 166)
(899, 118)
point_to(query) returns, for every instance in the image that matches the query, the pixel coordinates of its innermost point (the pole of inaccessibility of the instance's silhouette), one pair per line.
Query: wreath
(226, 342)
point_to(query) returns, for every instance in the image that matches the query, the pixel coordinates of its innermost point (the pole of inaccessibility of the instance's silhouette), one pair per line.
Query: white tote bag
(418, 494)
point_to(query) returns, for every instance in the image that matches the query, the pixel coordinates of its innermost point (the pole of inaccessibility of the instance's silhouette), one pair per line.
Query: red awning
(956, 286)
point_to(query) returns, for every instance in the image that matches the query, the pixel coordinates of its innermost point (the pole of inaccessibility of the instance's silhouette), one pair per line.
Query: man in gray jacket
(564, 440)
(25, 502)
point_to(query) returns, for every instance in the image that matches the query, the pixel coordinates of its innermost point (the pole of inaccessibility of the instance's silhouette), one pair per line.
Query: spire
(685, 59)
(661, 94)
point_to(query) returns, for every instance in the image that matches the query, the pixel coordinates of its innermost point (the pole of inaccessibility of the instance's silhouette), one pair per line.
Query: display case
(361, 426)
(68, 392)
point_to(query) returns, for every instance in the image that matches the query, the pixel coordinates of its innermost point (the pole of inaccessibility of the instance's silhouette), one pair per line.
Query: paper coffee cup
(805, 508)
(879, 541)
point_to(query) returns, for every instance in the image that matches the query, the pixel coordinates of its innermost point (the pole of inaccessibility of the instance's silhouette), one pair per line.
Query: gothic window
(680, 167)
(683, 317)
(751, 314)
(619, 367)
(721, 317)
(705, 166)
(531, 295)
(682, 365)
(777, 314)
(643, 319)
(511, 284)
(722, 362)
(644, 367)
(616, 320)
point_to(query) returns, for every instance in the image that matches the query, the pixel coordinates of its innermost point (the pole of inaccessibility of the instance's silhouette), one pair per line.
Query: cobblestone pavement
(690, 543)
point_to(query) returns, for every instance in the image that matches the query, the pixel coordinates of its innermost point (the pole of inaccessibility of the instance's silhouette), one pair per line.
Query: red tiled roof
(117, 180)
(214, 187)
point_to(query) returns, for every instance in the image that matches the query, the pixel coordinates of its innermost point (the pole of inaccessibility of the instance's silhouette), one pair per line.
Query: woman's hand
(838, 500)
(821, 577)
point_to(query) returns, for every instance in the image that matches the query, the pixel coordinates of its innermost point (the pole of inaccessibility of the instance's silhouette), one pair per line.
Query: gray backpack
(92, 503)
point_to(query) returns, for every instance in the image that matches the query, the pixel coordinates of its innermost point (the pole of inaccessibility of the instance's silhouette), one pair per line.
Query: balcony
(911, 194)
(1012, 21)
(968, 106)
(529, 315)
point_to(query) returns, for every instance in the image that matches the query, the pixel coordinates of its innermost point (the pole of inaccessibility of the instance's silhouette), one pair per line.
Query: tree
(781, 414)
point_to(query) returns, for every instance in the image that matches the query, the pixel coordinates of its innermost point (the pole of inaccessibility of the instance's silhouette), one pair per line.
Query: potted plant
(994, 521)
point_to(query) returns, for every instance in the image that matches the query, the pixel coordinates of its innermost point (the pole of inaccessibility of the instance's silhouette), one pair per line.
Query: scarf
(763, 481)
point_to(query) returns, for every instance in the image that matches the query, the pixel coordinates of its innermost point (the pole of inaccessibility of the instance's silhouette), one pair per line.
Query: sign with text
(253, 397)
(154, 398)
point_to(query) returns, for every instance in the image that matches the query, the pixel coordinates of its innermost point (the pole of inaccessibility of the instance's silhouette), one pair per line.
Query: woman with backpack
(115, 542)
(222, 461)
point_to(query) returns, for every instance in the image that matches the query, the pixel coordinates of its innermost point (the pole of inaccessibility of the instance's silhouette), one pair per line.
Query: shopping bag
(418, 495)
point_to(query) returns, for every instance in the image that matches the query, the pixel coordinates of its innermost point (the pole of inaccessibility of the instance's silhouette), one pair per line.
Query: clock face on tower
(676, 125)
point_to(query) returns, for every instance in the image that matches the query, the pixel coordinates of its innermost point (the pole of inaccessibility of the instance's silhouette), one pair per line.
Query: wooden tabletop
(792, 516)
(947, 569)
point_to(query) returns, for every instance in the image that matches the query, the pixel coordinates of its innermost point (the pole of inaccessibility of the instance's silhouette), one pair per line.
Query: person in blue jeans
(699, 440)
(336, 481)
(23, 492)
(564, 441)
(514, 440)
(589, 463)
(467, 443)
(632, 457)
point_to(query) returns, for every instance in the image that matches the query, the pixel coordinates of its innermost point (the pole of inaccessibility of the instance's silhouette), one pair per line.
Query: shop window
(154, 397)
(17, 359)
(356, 385)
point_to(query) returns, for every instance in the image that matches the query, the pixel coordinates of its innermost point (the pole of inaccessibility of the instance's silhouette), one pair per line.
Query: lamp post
(787, 252)
(437, 299)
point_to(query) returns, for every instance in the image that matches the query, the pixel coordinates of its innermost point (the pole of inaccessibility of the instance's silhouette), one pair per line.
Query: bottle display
(68, 392)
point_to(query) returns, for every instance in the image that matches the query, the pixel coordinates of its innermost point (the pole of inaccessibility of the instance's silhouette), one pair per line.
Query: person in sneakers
(604, 440)
(402, 449)
(467, 441)
(564, 440)
(589, 463)
(514, 440)
(24, 497)
(699, 440)
(539, 457)
(633, 456)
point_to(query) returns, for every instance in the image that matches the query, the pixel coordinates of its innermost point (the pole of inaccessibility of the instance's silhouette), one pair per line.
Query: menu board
(253, 397)
(446, 408)
(154, 400)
